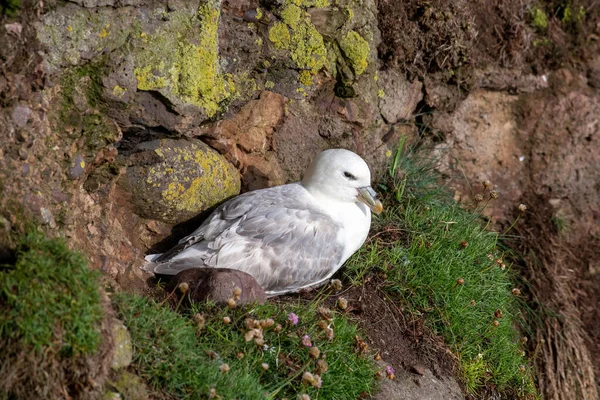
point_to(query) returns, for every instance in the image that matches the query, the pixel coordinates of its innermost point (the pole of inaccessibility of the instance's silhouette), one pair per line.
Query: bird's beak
(368, 196)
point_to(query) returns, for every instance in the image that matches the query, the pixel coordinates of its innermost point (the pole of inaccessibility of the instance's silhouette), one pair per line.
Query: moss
(539, 20)
(96, 129)
(50, 299)
(356, 50)
(10, 8)
(570, 17)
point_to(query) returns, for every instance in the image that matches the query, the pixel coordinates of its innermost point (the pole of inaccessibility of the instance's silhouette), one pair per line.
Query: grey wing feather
(271, 234)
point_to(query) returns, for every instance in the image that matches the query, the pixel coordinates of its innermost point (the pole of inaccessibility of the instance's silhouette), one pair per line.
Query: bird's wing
(277, 235)
(222, 218)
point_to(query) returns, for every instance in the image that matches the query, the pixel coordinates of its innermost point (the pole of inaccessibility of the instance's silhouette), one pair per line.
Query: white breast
(356, 221)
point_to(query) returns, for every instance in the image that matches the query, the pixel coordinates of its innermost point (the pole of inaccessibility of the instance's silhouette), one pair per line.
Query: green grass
(442, 262)
(9, 8)
(49, 298)
(177, 357)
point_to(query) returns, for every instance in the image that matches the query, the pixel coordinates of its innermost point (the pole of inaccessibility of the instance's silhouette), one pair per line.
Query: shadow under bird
(287, 237)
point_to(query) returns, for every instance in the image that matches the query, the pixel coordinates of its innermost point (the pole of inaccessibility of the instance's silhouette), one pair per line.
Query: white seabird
(287, 237)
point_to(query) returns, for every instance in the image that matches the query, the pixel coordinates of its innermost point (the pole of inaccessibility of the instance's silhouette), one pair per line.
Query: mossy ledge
(52, 324)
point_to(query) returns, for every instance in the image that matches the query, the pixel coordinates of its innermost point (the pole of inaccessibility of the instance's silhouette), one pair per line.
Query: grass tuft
(49, 298)
(55, 338)
(183, 356)
(440, 260)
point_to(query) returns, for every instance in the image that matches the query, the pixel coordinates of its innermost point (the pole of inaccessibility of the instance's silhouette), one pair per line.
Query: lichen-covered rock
(174, 180)
(123, 346)
(173, 51)
(129, 387)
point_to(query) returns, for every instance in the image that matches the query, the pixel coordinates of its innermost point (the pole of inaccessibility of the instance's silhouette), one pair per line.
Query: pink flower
(390, 371)
(306, 341)
(293, 318)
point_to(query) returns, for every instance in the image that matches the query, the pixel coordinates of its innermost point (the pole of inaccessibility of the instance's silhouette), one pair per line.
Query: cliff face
(121, 119)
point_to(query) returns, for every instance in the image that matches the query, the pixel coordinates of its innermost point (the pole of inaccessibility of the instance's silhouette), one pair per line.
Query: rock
(94, 3)
(400, 98)
(47, 217)
(110, 395)
(77, 167)
(123, 346)
(513, 81)
(174, 180)
(486, 140)
(217, 284)
(418, 369)
(246, 140)
(14, 29)
(129, 387)
(593, 73)
(406, 387)
(20, 115)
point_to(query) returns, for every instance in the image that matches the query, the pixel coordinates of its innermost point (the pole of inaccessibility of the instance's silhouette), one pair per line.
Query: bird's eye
(349, 176)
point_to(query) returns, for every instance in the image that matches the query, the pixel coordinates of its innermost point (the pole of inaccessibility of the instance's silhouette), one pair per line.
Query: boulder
(174, 180)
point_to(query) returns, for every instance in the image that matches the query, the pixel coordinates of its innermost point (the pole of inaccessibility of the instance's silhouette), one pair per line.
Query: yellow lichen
(173, 191)
(215, 179)
(350, 12)
(356, 50)
(269, 85)
(280, 36)
(298, 35)
(118, 91)
(259, 13)
(199, 79)
(185, 61)
(147, 80)
(312, 3)
(292, 15)
(306, 78)
(104, 32)
(381, 93)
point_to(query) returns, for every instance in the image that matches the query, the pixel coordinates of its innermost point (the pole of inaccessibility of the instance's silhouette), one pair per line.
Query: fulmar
(287, 237)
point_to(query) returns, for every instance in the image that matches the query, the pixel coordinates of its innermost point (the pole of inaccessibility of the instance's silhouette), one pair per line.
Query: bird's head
(342, 175)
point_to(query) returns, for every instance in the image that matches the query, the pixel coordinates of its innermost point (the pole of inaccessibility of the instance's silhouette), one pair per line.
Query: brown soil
(401, 339)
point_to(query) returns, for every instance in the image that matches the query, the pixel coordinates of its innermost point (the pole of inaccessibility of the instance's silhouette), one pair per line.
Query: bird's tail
(150, 265)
